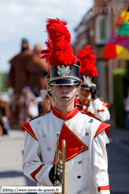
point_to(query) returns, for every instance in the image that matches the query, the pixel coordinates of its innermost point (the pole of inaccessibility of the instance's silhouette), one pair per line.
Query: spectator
(126, 103)
(4, 118)
(17, 78)
(36, 71)
(28, 105)
(47, 101)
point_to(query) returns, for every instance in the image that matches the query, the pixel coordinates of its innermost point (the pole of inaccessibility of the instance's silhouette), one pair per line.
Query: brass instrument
(60, 160)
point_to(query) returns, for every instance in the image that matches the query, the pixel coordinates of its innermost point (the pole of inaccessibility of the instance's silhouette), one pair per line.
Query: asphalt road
(118, 161)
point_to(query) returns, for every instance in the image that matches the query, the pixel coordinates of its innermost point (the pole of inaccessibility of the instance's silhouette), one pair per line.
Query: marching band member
(86, 156)
(87, 99)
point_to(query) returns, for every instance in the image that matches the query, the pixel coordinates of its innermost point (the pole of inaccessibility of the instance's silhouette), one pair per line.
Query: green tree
(3, 82)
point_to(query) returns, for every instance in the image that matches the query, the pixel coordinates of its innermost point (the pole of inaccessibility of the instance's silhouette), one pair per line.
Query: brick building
(94, 29)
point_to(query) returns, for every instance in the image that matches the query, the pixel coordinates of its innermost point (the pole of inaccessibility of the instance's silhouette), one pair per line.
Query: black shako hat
(64, 75)
(87, 82)
(87, 70)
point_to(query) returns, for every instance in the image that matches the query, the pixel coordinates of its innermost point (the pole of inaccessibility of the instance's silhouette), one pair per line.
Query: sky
(27, 19)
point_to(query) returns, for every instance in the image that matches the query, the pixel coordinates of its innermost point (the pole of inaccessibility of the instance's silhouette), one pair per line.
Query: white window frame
(98, 40)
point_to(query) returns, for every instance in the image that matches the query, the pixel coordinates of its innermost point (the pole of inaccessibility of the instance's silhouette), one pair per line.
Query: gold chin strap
(52, 102)
(64, 100)
(88, 98)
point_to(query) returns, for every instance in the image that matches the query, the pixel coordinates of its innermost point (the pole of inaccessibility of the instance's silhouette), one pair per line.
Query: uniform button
(52, 162)
(79, 191)
(39, 122)
(44, 135)
(79, 177)
(87, 133)
(79, 162)
(82, 147)
(48, 149)
(91, 120)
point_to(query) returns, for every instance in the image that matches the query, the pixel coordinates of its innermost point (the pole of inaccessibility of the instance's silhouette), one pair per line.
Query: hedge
(119, 79)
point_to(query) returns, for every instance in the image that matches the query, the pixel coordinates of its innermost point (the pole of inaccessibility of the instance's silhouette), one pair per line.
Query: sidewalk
(11, 152)
(117, 134)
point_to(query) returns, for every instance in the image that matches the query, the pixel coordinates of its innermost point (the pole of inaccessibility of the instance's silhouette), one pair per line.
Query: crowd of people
(27, 88)
(25, 81)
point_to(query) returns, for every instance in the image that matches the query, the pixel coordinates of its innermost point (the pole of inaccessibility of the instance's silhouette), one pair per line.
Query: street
(11, 152)
(118, 157)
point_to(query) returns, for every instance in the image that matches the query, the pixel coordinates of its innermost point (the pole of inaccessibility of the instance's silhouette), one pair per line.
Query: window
(100, 28)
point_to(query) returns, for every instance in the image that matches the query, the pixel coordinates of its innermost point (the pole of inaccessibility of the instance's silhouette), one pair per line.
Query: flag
(117, 46)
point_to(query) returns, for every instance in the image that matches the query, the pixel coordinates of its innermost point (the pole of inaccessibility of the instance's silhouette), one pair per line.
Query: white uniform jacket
(86, 156)
(99, 109)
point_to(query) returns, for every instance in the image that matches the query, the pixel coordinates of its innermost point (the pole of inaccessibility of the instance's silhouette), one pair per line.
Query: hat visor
(85, 86)
(65, 82)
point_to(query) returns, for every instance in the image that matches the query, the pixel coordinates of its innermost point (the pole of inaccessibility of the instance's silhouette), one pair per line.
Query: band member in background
(86, 156)
(87, 99)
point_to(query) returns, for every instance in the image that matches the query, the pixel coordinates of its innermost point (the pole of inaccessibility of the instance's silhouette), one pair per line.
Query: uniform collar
(68, 116)
(85, 103)
(79, 102)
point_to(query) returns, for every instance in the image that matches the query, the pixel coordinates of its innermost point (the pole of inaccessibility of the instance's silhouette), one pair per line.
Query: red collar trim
(103, 126)
(27, 127)
(68, 116)
(101, 188)
(34, 173)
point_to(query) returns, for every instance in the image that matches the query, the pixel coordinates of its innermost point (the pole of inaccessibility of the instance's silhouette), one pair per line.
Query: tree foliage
(3, 82)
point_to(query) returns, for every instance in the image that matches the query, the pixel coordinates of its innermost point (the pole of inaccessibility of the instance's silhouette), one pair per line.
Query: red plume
(46, 52)
(60, 49)
(87, 62)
